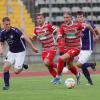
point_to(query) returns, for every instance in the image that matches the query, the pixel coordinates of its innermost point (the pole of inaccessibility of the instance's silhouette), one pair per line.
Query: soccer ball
(70, 83)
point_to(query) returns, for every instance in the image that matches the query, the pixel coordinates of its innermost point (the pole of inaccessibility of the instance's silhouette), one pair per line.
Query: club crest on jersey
(11, 36)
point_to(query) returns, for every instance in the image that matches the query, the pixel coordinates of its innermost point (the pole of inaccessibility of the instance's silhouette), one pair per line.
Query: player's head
(67, 17)
(80, 16)
(40, 19)
(6, 23)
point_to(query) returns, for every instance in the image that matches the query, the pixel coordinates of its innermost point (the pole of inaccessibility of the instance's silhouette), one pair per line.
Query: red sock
(73, 69)
(53, 64)
(60, 65)
(52, 69)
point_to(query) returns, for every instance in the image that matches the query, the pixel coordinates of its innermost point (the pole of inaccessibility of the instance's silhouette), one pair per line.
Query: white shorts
(16, 58)
(84, 56)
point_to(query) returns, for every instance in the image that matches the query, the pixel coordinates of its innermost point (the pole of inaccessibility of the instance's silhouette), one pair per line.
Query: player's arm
(52, 28)
(91, 29)
(27, 39)
(33, 37)
(97, 30)
(30, 43)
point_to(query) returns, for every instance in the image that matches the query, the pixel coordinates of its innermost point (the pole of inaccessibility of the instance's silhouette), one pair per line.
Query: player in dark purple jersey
(17, 49)
(87, 47)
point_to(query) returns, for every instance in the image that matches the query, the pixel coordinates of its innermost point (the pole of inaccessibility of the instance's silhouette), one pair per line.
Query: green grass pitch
(40, 88)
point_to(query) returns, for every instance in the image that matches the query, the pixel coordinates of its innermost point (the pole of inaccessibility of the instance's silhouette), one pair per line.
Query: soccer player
(87, 47)
(17, 49)
(72, 32)
(44, 33)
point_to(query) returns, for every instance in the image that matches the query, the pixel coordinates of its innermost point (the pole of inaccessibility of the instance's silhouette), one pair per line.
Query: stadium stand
(60, 6)
(19, 15)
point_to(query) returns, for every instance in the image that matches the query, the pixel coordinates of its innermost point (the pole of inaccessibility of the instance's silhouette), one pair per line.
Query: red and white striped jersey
(72, 34)
(45, 35)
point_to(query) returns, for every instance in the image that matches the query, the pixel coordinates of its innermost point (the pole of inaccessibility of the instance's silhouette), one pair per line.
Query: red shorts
(72, 52)
(49, 54)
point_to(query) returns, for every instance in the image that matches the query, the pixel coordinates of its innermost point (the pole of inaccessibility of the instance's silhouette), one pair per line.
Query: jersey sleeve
(51, 28)
(93, 26)
(60, 31)
(81, 26)
(19, 32)
(2, 39)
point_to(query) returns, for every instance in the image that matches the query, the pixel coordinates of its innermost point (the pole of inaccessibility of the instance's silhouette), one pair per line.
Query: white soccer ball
(70, 83)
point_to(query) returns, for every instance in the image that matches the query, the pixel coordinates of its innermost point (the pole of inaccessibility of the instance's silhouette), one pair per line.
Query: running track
(42, 73)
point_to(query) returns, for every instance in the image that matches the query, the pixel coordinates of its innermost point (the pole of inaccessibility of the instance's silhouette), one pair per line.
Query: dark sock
(6, 78)
(88, 65)
(73, 69)
(86, 74)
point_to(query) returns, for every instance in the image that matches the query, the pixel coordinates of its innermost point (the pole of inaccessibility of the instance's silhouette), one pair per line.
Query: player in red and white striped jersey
(71, 31)
(44, 33)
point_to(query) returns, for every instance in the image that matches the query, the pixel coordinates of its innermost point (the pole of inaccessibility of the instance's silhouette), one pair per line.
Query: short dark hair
(80, 13)
(5, 19)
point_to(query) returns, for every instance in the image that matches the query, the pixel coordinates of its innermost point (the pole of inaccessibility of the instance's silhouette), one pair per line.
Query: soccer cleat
(89, 83)
(56, 81)
(6, 88)
(78, 78)
(93, 66)
(25, 66)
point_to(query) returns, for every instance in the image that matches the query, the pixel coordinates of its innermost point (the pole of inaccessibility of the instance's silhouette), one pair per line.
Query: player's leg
(90, 64)
(87, 74)
(48, 57)
(83, 58)
(68, 56)
(73, 53)
(19, 60)
(61, 53)
(6, 76)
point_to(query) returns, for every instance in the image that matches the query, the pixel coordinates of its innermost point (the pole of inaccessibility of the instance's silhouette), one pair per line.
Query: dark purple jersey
(87, 39)
(14, 39)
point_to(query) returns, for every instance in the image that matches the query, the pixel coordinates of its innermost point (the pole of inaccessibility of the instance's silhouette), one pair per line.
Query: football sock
(6, 78)
(52, 69)
(73, 69)
(60, 66)
(86, 74)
